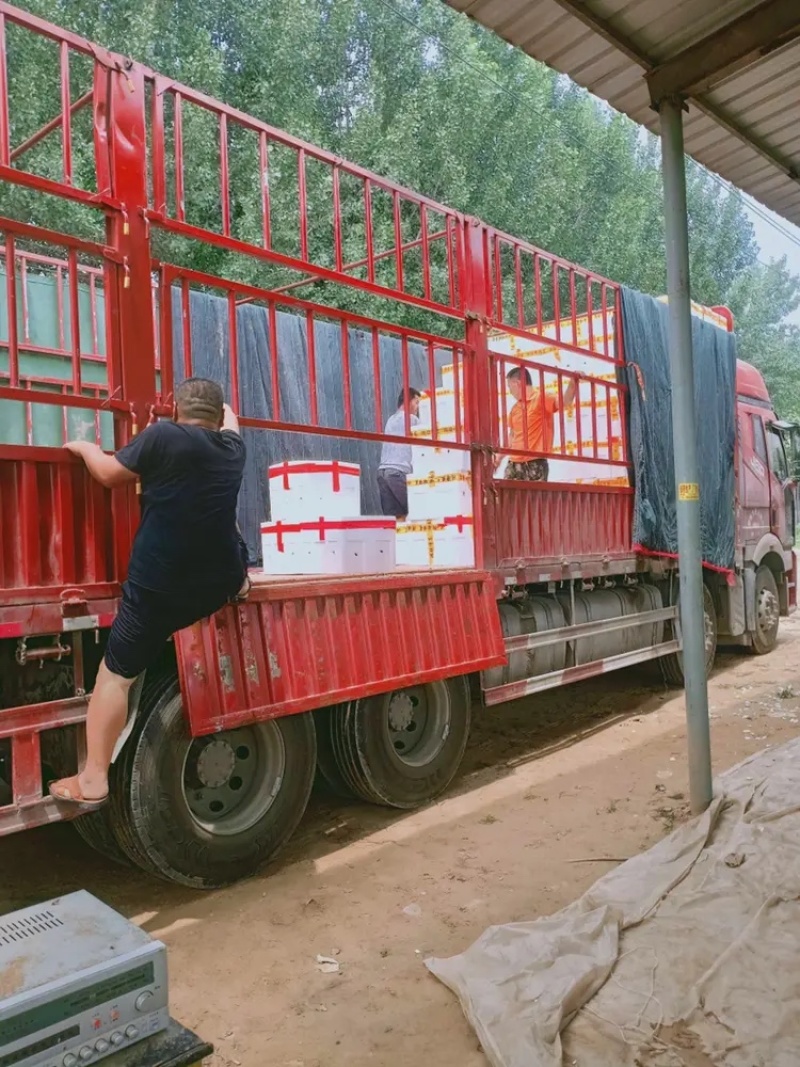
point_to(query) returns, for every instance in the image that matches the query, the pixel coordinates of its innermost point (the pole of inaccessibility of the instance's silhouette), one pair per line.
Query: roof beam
(603, 28)
(741, 42)
(748, 137)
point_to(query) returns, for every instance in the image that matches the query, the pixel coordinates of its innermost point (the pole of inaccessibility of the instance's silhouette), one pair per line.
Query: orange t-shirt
(539, 419)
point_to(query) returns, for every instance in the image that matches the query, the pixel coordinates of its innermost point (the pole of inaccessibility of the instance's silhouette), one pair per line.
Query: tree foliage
(410, 90)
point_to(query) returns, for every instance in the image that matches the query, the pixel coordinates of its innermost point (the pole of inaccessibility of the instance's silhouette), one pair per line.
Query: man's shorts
(529, 470)
(394, 492)
(147, 619)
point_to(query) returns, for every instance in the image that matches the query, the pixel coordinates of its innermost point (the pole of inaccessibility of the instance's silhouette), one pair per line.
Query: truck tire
(96, 830)
(206, 812)
(766, 612)
(401, 749)
(327, 764)
(60, 759)
(672, 665)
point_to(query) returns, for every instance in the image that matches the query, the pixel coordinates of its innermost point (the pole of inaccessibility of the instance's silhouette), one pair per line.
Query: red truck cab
(766, 500)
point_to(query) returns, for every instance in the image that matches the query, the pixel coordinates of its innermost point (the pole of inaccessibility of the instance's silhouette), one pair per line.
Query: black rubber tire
(765, 637)
(369, 763)
(672, 665)
(151, 815)
(329, 773)
(96, 829)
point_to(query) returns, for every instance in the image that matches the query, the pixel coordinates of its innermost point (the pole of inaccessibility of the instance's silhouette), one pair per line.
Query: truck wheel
(672, 665)
(208, 811)
(95, 829)
(402, 749)
(60, 759)
(327, 764)
(767, 612)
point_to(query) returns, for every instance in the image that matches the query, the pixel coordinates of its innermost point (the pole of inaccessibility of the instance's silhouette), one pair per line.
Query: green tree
(761, 298)
(409, 90)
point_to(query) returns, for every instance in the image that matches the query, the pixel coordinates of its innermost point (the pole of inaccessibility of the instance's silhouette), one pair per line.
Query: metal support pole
(685, 440)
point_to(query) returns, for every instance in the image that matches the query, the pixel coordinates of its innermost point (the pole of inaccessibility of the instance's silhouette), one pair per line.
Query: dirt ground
(553, 791)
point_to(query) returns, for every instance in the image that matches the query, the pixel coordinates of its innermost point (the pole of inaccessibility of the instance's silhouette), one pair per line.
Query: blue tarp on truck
(647, 373)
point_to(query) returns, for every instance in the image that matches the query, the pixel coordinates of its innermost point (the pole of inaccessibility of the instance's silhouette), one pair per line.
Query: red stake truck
(108, 280)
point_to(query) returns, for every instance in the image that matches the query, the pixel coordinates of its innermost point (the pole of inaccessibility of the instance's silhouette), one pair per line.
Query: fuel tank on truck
(603, 604)
(530, 615)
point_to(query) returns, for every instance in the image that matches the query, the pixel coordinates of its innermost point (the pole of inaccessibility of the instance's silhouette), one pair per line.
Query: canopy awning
(737, 63)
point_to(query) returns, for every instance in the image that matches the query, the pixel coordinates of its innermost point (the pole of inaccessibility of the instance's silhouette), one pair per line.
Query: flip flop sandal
(65, 793)
(243, 593)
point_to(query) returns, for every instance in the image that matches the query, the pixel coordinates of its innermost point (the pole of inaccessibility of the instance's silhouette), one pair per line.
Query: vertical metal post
(479, 375)
(685, 440)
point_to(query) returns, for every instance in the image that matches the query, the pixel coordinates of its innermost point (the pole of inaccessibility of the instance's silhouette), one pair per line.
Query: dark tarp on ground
(644, 321)
(210, 358)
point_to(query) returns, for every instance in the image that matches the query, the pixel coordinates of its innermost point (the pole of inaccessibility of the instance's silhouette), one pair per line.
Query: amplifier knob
(86, 1053)
(131, 1032)
(142, 999)
(101, 1045)
(70, 1060)
(117, 1038)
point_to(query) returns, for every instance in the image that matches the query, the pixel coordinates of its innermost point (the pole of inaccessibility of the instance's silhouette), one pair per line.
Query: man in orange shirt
(530, 424)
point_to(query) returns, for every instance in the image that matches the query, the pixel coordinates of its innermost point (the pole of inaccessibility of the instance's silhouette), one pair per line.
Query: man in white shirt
(396, 463)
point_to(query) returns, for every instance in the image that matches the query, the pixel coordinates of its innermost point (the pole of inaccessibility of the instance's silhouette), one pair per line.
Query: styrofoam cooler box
(436, 459)
(444, 431)
(362, 545)
(449, 542)
(449, 376)
(445, 406)
(434, 496)
(302, 490)
(576, 473)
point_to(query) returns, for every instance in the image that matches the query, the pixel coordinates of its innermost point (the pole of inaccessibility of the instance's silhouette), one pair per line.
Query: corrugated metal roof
(744, 124)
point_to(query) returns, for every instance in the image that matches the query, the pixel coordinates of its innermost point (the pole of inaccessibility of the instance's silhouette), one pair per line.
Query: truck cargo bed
(308, 642)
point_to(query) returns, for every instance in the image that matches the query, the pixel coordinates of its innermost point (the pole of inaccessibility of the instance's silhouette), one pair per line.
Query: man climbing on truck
(530, 425)
(188, 558)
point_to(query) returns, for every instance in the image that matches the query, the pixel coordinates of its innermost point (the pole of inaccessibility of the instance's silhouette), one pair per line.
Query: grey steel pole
(685, 438)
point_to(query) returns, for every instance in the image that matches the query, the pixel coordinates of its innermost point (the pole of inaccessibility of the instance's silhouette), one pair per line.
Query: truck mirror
(790, 432)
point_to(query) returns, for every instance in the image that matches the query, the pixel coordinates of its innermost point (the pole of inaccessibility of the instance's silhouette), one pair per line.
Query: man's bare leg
(105, 721)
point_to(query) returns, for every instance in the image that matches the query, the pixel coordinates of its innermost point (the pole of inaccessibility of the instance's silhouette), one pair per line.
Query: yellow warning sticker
(688, 491)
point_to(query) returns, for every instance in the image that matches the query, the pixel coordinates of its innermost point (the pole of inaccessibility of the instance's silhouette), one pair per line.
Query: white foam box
(448, 375)
(428, 543)
(444, 431)
(435, 496)
(439, 459)
(363, 544)
(445, 406)
(303, 490)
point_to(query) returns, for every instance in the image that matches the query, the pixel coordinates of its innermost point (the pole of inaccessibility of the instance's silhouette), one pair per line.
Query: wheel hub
(231, 781)
(708, 634)
(767, 611)
(418, 723)
(401, 712)
(215, 764)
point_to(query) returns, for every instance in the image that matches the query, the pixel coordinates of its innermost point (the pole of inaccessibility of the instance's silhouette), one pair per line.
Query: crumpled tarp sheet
(655, 517)
(687, 955)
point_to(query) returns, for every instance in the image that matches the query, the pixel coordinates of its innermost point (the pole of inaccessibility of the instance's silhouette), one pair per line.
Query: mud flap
(750, 598)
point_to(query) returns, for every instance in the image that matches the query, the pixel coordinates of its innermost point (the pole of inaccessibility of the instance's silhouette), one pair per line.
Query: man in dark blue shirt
(188, 558)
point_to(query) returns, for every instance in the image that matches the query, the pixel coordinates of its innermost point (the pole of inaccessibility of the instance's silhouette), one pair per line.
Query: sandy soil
(554, 790)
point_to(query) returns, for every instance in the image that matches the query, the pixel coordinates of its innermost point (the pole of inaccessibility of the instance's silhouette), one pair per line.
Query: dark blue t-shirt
(190, 483)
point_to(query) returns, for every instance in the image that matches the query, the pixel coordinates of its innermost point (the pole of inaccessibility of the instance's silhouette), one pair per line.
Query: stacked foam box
(439, 530)
(447, 542)
(317, 526)
(605, 429)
